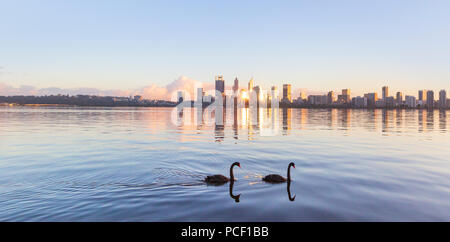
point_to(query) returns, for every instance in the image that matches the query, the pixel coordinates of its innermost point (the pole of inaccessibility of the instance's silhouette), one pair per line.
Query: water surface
(136, 164)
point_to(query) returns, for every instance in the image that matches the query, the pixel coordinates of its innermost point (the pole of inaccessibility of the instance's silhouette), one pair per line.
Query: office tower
(346, 92)
(344, 97)
(274, 92)
(220, 84)
(360, 102)
(389, 102)
(257, 90)
(330, 97)
(236, 85)
(422, 96)
(318, 99)
(385, 93)
(372, 98)
(250, 85)
(442, 98)
(302, 95)
(410, 101)
(399, 99)
(199, 95)
(430, 99)
(287, 93)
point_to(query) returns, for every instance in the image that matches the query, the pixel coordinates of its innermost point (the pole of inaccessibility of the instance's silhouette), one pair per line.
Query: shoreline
(172, 106)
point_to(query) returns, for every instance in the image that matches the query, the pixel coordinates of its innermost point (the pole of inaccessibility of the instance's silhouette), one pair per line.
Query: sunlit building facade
(287, 92)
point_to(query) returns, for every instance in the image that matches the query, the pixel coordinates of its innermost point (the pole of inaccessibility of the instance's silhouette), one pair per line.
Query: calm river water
(146, 164)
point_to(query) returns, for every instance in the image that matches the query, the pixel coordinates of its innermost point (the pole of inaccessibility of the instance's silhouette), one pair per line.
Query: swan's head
(292, 164)
(237, 164)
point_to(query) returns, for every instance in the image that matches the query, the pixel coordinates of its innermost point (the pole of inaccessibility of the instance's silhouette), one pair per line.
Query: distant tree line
(84, 100)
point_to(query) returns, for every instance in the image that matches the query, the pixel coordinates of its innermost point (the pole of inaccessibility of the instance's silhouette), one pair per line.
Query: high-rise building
(430, 99)
(389, 102)
(330, 97)
(287, 93)
(274, 92)
(410, 101)
(236, 85)
(220, 84)
(344, 97)
(302, 96)
(422, 96)
(385, 93)
(399, 99)
(318, 99)
(372, 99)
(442, 98)
(346, 92)
(250, 85)
(360, 102)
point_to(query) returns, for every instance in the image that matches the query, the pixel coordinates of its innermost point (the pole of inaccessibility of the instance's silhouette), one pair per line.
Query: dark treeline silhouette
(84, 100)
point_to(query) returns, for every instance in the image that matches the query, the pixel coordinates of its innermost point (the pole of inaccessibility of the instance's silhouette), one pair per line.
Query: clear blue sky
(318, 45)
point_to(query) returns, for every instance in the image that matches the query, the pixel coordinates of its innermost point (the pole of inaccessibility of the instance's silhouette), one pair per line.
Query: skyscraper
(236, 85)
(250, 85)
(430, 99)
(274, 92)
(442, 98)
(287, 93)
(344, 97)
(399, 99)
(220, 84)
(422, 95)
(410, 101)
(330, 98)
(385, 93)
(372, 98)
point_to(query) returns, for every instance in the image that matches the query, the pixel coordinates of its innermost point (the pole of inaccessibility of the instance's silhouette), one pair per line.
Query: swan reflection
(289, 191)
(234, 197)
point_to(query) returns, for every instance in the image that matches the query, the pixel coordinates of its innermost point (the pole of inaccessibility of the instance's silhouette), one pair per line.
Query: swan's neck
(289, 173)
(231, 173)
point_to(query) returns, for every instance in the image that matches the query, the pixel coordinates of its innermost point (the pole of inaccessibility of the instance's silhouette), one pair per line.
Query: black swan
(274, 178)
(235, 197)
(289, 191)
(220, 179)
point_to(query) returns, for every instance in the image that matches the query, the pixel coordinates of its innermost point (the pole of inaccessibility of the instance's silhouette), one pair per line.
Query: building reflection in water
(385, 121)
(287, 118)
(235, 123)
(345, 118)
(219, 124)
(399, 119)
(430, 120)
(420, 120)
(443, 120)
(198, 118)
(273, 122)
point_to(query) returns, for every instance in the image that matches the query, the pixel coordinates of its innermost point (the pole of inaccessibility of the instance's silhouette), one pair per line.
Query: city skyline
(208, 93)
(120, 47)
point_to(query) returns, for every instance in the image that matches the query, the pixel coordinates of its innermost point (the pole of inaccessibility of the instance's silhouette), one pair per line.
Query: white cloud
(149, 92)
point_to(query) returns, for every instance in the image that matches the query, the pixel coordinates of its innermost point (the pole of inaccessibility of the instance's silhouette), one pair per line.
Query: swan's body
(217, 179)
(275, 178)
(221, 179)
